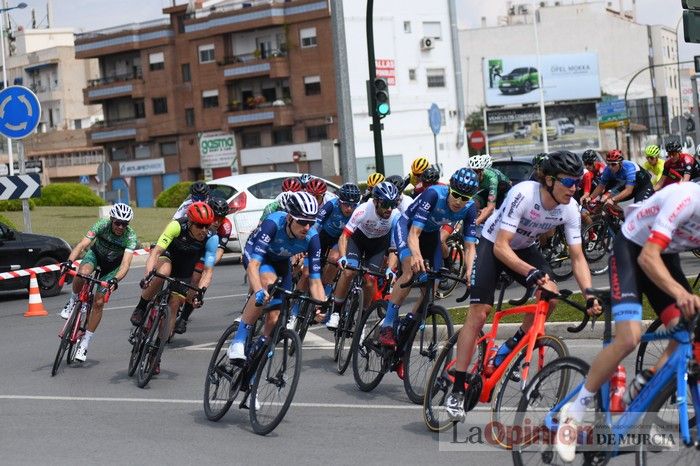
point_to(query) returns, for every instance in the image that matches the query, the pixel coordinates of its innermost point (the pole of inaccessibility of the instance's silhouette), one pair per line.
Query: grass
(71, 223)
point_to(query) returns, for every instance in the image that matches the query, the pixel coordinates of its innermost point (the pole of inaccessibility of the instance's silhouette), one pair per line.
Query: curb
(556, 329)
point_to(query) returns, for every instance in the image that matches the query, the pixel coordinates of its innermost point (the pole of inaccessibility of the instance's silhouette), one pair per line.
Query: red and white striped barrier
(51, 268)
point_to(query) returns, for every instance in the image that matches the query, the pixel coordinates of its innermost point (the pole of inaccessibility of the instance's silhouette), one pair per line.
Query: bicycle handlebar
(361, 269)
(296, 294)
(90, 279)
(154, 273)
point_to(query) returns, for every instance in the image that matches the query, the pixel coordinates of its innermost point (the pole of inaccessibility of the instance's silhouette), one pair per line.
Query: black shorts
(178, 288)
(371, 251)
(487, 270)
(327, 243)
(181, 266)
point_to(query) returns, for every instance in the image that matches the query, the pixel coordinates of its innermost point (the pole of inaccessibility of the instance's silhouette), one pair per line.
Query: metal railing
(124, 27)
(72, 160)
(137, 74)
(117, 121)
(253, 56)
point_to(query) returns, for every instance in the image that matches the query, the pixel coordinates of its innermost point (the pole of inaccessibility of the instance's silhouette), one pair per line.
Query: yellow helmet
(374, 179)
(419, 165)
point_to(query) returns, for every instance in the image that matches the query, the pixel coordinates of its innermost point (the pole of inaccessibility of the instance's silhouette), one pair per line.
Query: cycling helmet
(305, 178)
(652, 150)
(386, 191)
(464, 181)
(316, 186)
(673, 146)
(431, 175)
(537, 160)
(480, 162)
(283, 198)
(614, 155)
(291, 184)
(419, 165)
(397, 181)
(590, 156)
(200, 212)
(374, 179)
(562, 162)
(219, 206)
(121, 212)
(302, 206)
(199, 190)
(349, 193)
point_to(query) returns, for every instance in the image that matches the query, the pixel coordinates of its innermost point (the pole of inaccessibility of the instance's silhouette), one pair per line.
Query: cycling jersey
(590, 178)
(109, 248)
(224, 232)
(272, 207)
(522, 213)
(654, 170)
(405, 203)
(430, 211)
(495, 184)
(627, 174)
(181, 211)
(366, 220)
(670, 218)
(330, 218)
(270, 242)
(184, 250)
(682, 165)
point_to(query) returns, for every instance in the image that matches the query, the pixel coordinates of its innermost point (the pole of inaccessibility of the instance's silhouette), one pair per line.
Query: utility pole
(376, 126)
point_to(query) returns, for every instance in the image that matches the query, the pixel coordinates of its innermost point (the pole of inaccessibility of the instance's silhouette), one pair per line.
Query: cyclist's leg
(398, 294)
(164, 266)
(87, 265)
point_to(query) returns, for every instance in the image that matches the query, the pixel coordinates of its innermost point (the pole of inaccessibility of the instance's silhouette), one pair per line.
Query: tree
(475, 120)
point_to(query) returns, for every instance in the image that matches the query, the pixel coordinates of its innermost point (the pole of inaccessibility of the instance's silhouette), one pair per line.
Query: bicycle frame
(85, 296)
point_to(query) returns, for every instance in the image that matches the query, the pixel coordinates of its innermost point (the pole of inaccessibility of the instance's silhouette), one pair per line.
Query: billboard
(515, 80)
(518, 131)
(217, 150)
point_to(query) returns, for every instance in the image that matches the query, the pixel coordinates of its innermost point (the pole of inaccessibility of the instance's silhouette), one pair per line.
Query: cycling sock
(578, 408)
(142, 304)
(337, 305)
(85, 341)
(392, 311)
(242, 333)
(295, 309)
(460, 379)
(187, 309)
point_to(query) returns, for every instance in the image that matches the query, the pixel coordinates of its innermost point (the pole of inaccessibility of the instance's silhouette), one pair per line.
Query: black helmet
(431, 175)
(219, 206)
(199, 190)
(673, 146)
(396, 180)
(564, 162)
(590, 156)
(349, 193)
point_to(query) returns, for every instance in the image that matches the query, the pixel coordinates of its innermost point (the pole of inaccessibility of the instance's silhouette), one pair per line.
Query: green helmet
(652, 150)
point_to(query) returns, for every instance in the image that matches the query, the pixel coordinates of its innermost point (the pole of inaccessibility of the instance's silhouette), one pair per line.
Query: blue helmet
(349, 193)
(465, 181)
(386, 191)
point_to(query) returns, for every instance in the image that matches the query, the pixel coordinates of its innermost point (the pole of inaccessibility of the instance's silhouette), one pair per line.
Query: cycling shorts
(370, 250)
(428, 241)
(179, 289)
(328, 242)
(282, 269)
(108, 270)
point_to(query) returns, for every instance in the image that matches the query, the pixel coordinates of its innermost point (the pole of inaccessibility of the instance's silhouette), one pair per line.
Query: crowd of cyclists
(397, 227)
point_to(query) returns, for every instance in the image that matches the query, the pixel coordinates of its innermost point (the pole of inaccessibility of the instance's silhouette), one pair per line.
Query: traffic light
(380, 89)
(691, 21)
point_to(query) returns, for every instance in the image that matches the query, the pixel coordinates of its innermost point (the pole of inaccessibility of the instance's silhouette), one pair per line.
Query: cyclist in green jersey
(493, 185)
(289, 185)
(111, 242)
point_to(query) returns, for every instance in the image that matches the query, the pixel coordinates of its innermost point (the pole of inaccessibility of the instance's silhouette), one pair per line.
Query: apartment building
(260, 71)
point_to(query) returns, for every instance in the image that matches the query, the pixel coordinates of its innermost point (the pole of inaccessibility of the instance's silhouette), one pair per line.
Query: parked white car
(247, 195)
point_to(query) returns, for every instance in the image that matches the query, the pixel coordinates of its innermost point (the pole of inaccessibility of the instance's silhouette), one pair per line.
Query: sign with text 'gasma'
(217, 150)
(512, 80)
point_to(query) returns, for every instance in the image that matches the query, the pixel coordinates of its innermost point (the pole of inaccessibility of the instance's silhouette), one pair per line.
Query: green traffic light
(383, 109)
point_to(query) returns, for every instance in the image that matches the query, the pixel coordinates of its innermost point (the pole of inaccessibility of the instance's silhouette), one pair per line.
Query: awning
(39, 66)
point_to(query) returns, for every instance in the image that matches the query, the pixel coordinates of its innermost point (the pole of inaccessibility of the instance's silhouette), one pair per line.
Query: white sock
(73, 297)
(580, 404)
(85, 341)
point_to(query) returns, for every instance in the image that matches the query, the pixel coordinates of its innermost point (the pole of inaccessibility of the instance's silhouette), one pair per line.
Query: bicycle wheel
(65, 338)
(427, 339)
(153, 348)
(221, 378)
(649, 352)
(456, 266)
(367, 361)
(597, 244)
(350, 315)
(303, 322)
(696, 253)
(558, 258)
(137, 342)
(440, 383)
(73, 345)
(547, 349)
(275, 383)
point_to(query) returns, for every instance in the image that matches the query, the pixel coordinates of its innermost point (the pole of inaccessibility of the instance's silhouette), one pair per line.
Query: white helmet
(480, 162)
(121, 212)
(282, 199)
(302, 206)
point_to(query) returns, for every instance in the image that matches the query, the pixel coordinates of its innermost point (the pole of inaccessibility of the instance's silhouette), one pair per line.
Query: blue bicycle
(659, 426)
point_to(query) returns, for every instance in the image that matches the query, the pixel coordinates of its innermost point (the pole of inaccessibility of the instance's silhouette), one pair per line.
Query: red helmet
(291, 185)
(614, 155)
(317, 187)
(200, 212)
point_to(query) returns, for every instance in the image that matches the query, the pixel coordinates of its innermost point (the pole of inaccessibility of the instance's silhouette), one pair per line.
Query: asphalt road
(93, 413)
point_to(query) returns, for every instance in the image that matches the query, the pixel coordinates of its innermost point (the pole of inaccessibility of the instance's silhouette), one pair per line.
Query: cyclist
(644, 261)
(619, 172)
(678, 166)
(430, 177)
(305, 178)
(417, 236)
(289, 185)
(267, 256)
(654, 164)
(111, 242)
(418, 166)
(404, 201)
(367, 235)
(508, 244)
(199, 192)
(493, 185)
(372, 180)
(593, 170)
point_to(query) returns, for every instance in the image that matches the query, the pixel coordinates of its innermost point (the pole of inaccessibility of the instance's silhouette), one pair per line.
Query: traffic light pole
(376, 126)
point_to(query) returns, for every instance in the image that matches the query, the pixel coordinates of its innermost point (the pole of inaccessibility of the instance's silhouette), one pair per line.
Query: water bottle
(637, 384)
(490, 357)
(256, 347)
(618, 384)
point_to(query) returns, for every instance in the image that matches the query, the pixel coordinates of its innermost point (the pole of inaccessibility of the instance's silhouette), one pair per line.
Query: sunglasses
(350, 204)
(613, 164)
(651, 157)
(386, 204)
(201, 226)
(459, 196)
(569, 182)
(119, 223)
(305, 223)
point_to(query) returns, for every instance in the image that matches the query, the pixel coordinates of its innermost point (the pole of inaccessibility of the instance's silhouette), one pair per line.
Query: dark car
(23, 250)
(518, 168)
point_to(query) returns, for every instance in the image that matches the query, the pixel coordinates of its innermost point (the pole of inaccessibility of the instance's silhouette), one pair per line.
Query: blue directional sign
(19, 112)
(435, 118)
(611, 110)
(84, 179)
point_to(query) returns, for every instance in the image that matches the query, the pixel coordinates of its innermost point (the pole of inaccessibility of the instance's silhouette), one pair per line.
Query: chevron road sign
(19, 187)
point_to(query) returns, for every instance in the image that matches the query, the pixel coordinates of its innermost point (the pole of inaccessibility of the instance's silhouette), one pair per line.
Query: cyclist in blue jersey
(618, 173)
(417, 236)
(267, 256)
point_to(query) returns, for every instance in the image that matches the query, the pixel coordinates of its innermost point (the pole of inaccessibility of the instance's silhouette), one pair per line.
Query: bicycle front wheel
(350, 315)
(153, 348)
(649, 352)
(597, 244)
(367, 361)
(275, 383)
(221, 378)
(426, 341)
(65, 338)
(558, 257)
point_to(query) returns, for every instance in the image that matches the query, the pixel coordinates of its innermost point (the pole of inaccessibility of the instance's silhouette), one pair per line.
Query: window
(142, 151)
(168, 148)
(307, 37)
(432, 29)
(189, 117)
(160, 105)
(249, 140)
(436, 77)
(120, 153)
(156, 61)
(267, 189)
(316, 133)
(312, 85)
(186, 75)
(407, 27)
(139, 109)
(282, 136)
(206, 53)
(210, 99)
(78, 124)
(412, 74)
(270, 94)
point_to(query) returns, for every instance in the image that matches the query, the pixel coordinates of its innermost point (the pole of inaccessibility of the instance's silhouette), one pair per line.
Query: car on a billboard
(564, 126)
(552, 132)
(520, 80)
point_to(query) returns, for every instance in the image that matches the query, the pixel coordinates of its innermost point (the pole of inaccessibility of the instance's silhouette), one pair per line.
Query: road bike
(555, 250)
(597, 238)
(454, 262)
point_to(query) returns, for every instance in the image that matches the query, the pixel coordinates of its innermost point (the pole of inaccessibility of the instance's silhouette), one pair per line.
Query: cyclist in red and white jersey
(678, 166)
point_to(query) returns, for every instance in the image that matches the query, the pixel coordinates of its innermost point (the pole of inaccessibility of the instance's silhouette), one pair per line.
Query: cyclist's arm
(79, 248)
(253, 272)
(504, 253)
(470, 240)
(598, 190)
(486, 211)
(579, 265)
(343, 243)
(210, 253)
(224, 233)
(624, 194)
(413, 241)
(171, 232)
(132, 243)
(314, 258)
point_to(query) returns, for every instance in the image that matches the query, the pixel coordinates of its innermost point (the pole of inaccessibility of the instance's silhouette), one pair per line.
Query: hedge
(7, 222)
(174, 195)
(15, 205)
(68, 194)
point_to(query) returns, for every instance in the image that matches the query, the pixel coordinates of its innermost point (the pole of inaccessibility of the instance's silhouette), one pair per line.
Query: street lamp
(4, 72)
(678, 83)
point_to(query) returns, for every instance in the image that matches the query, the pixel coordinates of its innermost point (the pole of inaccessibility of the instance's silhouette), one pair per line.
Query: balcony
(110, 87)
(264, 114)
(117, 130)
(275, 65)
(127, 37)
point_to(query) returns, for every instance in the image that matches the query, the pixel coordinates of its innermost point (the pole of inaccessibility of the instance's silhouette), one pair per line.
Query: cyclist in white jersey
(199, 192)
(508, 244)
(644, 260)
